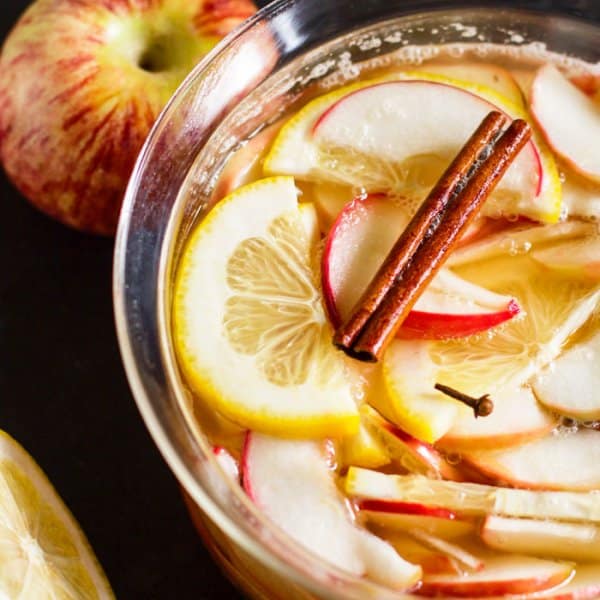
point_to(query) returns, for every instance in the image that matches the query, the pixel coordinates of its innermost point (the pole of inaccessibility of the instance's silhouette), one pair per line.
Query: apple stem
(482, 406)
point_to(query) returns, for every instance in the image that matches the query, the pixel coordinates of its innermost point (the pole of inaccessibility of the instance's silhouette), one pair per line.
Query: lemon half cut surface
(44, 555)
(249, 325)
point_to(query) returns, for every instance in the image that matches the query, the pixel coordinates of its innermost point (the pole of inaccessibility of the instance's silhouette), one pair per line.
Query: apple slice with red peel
(473, 498)
(357, 245)
(407, 451)
(519, 238)
(560, 461)
(585, 585)
(569, 120)
(292, 483)
(553, 539)
(406, 516)
(517, 418)
(570, 385)
(399, 120)
(576, 258)
(502, 576)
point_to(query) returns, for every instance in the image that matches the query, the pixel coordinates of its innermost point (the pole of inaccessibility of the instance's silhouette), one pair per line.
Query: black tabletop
(64, 396)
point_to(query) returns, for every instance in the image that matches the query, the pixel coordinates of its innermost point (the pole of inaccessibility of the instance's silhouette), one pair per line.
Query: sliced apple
(358, 243)
(569, 120)
(292, 482)
(502, 576)
(560, 461)
(572, 541)
(473, 498)
(490, 76)
(517, 418)
(519, 238)
(407, 451)
(403, 516)
(571, 384)
(404, 119)
(585, 585)
(576, 258)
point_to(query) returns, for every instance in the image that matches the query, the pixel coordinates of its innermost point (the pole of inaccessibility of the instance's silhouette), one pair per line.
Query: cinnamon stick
(404, 289)
(419, 227)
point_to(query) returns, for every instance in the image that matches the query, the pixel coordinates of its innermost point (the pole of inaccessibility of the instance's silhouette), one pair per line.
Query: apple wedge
(571, 541)
(517, 418)
(502, 576)
(519, 238)
(560, 461)
(569, 120)
(358, 243)
(474, 498)
(577, 258)
(570, 385)
(404, 516)
(407, 451)
(292, 483)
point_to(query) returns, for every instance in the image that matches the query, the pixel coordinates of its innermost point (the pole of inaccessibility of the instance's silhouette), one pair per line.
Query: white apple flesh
(397, 121)
(577, 259)
(357, 244)
(403, 516)
(517, 418)
(570, 385)
(473, 498)
(81, 84)
(570, 541)
(568, 119)
(292, 483)
(560, 461)
(502, 576)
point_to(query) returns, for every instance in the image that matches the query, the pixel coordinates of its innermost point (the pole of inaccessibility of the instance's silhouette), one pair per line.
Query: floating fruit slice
(358, 243)
(43, 552)
(574, 136)
(249, 328)
(292, 482)
(577, 258)
(570, 385)
(409, 131)
(559, 461)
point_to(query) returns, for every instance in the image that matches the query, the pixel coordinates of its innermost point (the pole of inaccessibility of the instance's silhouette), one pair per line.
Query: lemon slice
(43, 552)
(249, 325)
(297, 151)
(554, 308)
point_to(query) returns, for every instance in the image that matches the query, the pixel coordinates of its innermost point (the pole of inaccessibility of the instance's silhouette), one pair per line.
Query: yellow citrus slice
(554, 308)
(249, 325)
(297, 151)
(44, 555)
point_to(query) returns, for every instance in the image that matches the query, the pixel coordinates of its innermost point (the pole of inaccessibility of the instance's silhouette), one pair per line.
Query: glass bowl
(259, 70)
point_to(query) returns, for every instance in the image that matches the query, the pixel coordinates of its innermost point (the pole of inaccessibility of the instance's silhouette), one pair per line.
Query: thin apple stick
(474, 498)
(456, 553)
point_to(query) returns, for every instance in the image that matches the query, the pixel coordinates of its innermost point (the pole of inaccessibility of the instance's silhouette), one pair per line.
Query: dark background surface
(64, 396)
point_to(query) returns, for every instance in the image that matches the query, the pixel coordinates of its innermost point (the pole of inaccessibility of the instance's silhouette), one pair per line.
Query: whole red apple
(82, 82)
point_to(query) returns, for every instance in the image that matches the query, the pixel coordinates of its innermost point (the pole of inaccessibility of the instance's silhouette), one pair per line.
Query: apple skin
(81, 84)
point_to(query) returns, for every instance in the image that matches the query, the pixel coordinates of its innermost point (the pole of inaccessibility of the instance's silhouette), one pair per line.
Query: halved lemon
(309, 149)
(44, 555)
(249, 324)
(554, 309)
